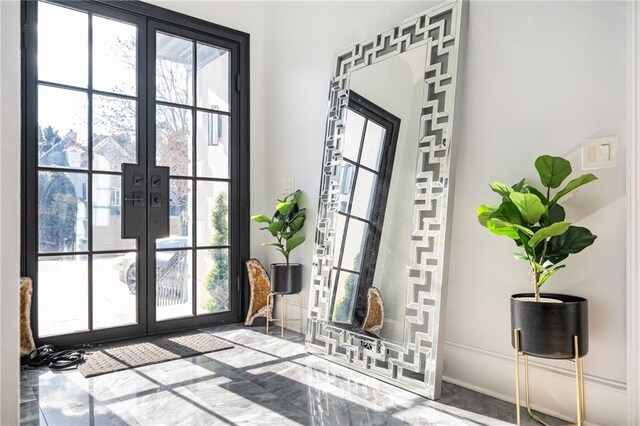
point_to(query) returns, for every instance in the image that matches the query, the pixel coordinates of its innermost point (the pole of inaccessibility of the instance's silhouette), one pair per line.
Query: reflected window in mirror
(370, 140)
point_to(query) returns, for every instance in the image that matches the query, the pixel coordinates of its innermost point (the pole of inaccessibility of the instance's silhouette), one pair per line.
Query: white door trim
(633, 214)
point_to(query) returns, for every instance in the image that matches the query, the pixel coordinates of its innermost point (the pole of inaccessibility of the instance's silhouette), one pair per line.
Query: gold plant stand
(283, 321)
(579, 370)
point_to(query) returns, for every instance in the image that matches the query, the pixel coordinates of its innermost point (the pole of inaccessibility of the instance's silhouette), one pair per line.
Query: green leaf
(300, 213)
(575, 183)
(508, 212)
(573, 241)
(294, 242)
(502, 189)
(297, 224)
(500, 227)
(555, 258)
(261, 218)
(544, 277)
(524, 243)
(528, 189)
(296, 196)
(285, 207)
(272, 245)
(529, 205)
(484, 212)
(276, 227)
(520, 256)
(548, 232)
(505, 223)
(552, 170)
(518, 187)
(555, 214)
(524, 229)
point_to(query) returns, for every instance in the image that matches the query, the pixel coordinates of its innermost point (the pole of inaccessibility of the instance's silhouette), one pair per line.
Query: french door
(135, 177)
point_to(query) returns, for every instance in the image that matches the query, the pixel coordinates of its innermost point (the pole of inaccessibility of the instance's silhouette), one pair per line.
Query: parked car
(171, 265)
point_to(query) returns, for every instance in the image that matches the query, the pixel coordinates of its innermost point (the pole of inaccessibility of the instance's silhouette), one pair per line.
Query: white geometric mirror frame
(417, 363)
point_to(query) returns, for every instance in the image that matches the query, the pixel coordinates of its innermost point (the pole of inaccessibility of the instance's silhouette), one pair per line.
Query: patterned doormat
(152, 350)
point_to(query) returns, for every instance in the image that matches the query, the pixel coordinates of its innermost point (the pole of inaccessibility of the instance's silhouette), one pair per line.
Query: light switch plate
(600, 153)
(286, 186)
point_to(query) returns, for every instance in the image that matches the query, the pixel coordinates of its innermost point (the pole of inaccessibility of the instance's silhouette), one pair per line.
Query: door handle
(133, 198)
(159, 224)
(137, 199)
(155, 200)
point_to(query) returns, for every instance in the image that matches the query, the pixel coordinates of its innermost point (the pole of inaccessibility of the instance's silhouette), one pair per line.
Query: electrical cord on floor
(47, 356)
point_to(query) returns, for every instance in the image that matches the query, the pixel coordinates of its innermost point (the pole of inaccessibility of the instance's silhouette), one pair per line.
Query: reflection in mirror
(370, 142)
(376, 180)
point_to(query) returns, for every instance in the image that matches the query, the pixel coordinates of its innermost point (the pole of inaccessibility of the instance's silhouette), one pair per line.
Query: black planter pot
(286, 279)
(547, 329)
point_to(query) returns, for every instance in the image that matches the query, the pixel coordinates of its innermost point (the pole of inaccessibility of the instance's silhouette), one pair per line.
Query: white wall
(539, 78)
(9, 209)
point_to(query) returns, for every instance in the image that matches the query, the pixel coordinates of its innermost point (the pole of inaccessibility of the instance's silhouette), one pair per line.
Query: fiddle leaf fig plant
(535, 220)
(285, 224)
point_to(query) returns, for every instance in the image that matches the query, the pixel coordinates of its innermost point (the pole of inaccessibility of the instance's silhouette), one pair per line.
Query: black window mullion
(206, 179)
(149, 263)
(213, 111)
(90, 174)
(62, 86)
(115, 95)
(350, 271)
(64, 253)
(206, 247)
(194, 165)
(350, 216)
(353, 163)
(59, 169)
(362, 136)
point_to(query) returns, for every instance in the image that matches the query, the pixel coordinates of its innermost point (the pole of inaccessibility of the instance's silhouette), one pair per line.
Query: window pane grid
(360, 166)
(90, 81)
(363, 182)
(84, 155)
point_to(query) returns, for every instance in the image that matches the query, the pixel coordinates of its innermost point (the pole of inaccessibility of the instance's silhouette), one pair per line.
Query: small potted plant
(284, 225)
(535, 221)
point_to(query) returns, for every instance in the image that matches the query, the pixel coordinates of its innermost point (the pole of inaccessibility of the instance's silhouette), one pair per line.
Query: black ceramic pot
(286, 279)
(547, 329)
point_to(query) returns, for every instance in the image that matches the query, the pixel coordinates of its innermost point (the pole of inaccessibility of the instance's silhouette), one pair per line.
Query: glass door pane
(115, 283)
(193, 140)
(87, 127)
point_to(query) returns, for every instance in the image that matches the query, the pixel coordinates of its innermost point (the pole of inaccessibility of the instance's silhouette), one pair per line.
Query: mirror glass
(373, 232)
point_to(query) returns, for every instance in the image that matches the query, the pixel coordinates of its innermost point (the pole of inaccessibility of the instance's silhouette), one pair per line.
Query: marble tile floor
(263, 380)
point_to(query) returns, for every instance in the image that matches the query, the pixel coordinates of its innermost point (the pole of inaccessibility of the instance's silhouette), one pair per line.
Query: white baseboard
(552, 389)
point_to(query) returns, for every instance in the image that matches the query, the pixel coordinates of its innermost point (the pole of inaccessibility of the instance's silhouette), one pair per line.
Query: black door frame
(371, 243)
(146, 17)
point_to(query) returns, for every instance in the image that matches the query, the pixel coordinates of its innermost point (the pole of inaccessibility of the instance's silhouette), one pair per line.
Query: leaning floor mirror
(381, 239)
